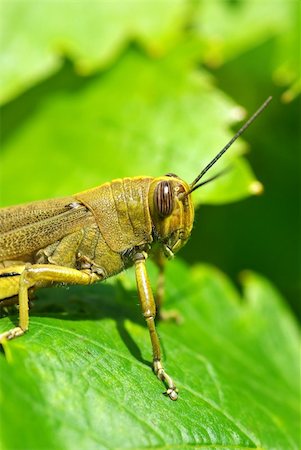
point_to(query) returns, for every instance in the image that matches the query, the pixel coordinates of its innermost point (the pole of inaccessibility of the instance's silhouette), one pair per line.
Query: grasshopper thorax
(172, 212)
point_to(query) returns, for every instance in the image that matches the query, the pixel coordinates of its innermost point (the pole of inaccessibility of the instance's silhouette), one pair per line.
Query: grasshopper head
(172, 212)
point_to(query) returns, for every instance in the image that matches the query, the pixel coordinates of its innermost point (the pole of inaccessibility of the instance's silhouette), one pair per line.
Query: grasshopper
(95, 234)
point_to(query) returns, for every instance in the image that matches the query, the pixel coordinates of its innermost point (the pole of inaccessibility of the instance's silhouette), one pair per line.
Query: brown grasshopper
(96, 234)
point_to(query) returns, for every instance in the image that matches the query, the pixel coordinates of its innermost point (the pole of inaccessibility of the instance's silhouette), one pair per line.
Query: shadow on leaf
(98, 302)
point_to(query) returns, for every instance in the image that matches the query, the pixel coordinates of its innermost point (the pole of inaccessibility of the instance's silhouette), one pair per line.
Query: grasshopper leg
(149, 311)
(163, 315)
(160, 289)
(38, 275)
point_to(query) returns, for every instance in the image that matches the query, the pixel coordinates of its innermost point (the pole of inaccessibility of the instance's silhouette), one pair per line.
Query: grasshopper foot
(172, 391)
(11, 334)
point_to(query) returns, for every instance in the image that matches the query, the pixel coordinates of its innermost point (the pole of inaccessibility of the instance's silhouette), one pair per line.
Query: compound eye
(164, 198)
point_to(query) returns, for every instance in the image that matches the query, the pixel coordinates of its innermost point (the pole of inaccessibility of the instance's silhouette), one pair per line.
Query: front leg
(36, 275)
(149, 311)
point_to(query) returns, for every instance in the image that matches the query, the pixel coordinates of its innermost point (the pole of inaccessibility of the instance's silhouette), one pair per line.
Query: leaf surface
(81, 375)
(31, 52)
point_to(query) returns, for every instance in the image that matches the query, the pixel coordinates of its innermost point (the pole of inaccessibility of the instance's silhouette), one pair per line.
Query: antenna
(194, 184)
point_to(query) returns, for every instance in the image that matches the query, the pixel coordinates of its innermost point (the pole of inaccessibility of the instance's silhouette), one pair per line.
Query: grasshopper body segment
(120, 210)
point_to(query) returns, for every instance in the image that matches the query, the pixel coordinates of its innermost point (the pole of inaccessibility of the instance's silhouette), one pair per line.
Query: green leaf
(142, 117)
(92, 34)
(228, 29)
(81, 376)
(231, 28)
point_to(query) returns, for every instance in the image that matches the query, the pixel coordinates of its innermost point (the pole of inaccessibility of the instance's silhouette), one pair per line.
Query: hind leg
(20, 281)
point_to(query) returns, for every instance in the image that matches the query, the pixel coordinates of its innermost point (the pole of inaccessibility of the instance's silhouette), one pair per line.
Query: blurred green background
(155, 89)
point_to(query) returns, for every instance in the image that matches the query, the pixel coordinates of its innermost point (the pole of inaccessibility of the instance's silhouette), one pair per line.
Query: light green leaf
(142, 117)
(81, 375)
(37, 35)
